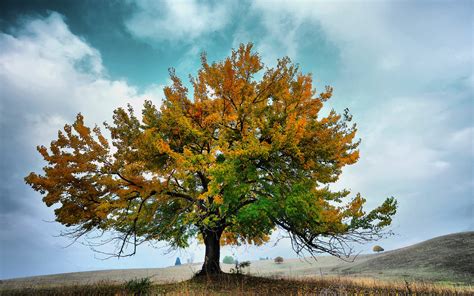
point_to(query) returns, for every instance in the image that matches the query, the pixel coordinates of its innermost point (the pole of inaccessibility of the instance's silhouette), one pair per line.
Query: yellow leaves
(211, 119)
(354, 208)
(103, 210)
(83, 131)
(258, 241)
(239, 134)
(232, 238)
(43, 151)
(101, 138)
(228, 76)
(208, 195)
(352, 157)
(229, 238)
(327, 94)
(162, 146)
(218, 200)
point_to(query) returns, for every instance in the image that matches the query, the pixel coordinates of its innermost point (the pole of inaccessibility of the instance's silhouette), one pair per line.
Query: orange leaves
(71, 178)
(354, 208)
(229, 238)
(162, 146)
(232, 238)
(228, 82)
(82, 130)
(229, 156)
(218, 200)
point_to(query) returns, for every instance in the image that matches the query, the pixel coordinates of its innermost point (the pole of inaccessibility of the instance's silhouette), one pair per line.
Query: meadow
(440, 266)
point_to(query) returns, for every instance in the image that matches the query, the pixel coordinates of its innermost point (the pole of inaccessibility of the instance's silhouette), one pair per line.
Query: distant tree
(279, 260)
(177, 262)
(377, 249)
(246, 152)
(190, 260)
(228, 260)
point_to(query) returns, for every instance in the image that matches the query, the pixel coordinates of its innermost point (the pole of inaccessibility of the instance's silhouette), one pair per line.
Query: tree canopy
(246, 152)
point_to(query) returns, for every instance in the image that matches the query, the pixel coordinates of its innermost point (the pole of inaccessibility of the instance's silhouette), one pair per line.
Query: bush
(239, 267)
(279, 260)
(377, 249)
(138, 286)
(228, 260)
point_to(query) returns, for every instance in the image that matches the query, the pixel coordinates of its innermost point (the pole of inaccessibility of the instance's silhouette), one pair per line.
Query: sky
(403, 68)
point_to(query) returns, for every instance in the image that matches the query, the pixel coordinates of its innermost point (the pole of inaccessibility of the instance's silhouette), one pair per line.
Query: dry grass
(441, 266)
(250, 285)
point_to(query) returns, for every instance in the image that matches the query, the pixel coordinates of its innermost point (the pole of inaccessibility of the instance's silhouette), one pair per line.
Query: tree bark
(213, 249)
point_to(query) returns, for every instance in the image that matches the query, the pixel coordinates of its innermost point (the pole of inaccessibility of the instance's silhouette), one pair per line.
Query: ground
(446, 260)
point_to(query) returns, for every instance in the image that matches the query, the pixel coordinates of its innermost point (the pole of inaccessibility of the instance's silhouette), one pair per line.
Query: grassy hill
(445, 259)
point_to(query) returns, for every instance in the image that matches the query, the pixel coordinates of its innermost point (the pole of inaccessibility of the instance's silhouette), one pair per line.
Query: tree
(228, 260)
(278, 260)
(241, 158)
(377, 249)
(177, 262)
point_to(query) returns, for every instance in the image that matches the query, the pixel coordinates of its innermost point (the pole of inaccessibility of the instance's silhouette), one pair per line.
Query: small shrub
(279, 260)
(228, 260)
(138, 286)
(239, 267)
(377, 249)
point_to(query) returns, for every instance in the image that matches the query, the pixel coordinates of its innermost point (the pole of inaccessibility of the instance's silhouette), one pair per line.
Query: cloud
(48, 75)
(181, 21)
(48, 72)
(432, 45)
(419, 150)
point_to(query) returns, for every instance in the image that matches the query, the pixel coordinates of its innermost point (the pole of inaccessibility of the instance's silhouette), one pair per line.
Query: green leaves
(242, 157)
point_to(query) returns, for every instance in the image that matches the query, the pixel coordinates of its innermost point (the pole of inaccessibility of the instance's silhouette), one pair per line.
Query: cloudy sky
(404, 68)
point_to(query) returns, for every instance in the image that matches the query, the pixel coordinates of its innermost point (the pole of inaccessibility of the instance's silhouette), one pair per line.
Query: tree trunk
(213, 249)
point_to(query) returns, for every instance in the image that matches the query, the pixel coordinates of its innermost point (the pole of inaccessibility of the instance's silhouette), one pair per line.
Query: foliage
(278, 259)
(240, 158)
(178, 261)
(138, 286)
(228, 260)
(239, 267)
(377, 249)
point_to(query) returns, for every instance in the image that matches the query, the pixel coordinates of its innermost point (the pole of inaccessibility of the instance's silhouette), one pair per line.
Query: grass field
(442, 265)
(230, 284)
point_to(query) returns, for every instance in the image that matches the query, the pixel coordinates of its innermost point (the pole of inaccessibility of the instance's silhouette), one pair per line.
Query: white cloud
(404, 70)
(47, 76)
(49, 73)
(177, 20)
(462, 141)
(394, 42)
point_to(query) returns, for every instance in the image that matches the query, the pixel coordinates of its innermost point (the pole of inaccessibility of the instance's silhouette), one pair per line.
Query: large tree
(249, 153)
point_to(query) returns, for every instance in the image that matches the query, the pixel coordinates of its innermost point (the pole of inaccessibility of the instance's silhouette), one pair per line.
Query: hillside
(443, 259)
(449, 257)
